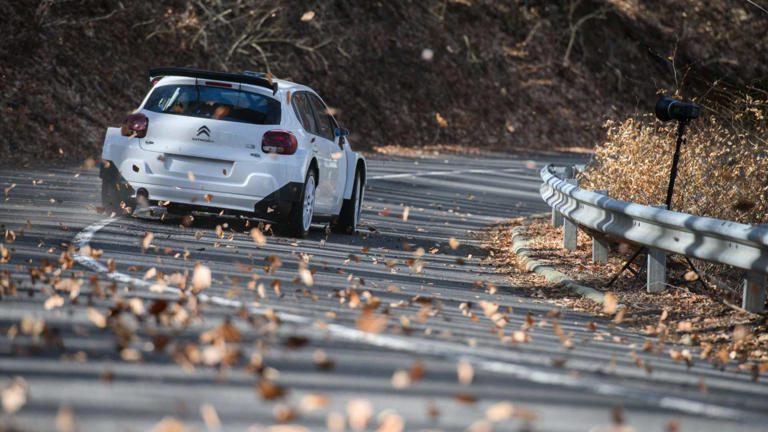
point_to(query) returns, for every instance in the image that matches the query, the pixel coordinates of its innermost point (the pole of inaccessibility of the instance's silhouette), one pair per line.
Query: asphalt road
(142, 367)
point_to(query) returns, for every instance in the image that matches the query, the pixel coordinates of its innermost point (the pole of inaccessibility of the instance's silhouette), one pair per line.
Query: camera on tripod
(668, 108)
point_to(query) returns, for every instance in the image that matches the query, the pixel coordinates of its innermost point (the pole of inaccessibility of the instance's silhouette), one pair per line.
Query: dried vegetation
(493, 74)
(723, 170)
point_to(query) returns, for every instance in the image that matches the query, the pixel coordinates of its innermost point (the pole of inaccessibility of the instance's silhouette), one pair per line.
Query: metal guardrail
(720, 241)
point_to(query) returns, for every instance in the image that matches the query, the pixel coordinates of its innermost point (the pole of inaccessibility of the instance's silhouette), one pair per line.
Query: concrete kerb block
(521, 248)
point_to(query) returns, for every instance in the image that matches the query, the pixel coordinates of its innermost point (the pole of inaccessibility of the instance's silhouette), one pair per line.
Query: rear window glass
(214, 103)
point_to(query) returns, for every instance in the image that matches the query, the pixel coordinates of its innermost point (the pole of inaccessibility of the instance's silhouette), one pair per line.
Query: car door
(302, 106)
(333, 153)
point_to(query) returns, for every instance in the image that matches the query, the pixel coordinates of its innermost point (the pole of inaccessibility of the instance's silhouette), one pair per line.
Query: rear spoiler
(221, 76)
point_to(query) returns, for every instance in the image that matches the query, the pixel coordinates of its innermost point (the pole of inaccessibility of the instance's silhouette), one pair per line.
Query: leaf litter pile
(685, 314)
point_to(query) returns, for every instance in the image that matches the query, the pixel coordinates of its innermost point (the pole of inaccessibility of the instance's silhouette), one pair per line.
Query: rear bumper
(260, 197)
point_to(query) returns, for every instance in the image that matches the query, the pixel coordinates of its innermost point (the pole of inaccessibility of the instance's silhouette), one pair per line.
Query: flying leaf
(441, 121)
(465, 372)
(371, 322)
(258, 237)
(308, 16)
(610, 303)
(401, 379)
(453, 243)
(97, 318)
(201, 277)
(53, 302)
(314, 402)
(14, 395)
(146, 241)
(210, 417)
(359, 413)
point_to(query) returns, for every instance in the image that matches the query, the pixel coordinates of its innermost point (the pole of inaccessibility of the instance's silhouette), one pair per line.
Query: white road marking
(440, 173)
(435, 348)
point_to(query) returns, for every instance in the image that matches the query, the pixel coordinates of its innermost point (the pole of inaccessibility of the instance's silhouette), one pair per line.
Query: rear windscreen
(214, 103)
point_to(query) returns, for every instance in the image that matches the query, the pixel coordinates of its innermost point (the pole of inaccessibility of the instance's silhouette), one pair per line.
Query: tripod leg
(626, 266)
(698, 273)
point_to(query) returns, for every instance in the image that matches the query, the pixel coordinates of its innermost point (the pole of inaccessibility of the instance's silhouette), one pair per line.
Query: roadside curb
(521, 248)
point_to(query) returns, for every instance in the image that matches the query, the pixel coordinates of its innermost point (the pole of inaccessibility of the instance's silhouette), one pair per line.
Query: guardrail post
(570, 230)
(557, 217)
(754, 292)
(599, 244)
(657, 267)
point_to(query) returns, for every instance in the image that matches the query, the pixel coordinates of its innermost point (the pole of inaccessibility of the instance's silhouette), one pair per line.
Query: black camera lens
(668, 108)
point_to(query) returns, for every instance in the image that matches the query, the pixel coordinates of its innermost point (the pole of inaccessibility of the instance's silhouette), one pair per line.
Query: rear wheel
(349, 217)
(114, 195)
(300, 217)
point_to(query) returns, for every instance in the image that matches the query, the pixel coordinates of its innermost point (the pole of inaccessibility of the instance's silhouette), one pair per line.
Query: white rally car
(239, 143)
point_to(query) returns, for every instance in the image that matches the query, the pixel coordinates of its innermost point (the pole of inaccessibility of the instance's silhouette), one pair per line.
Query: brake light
(135, 125)
(218, 84)
(280, 142)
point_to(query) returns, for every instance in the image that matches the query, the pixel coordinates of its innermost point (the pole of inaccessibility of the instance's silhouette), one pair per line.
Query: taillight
(218, 84)
(280, 142)
(135, 125)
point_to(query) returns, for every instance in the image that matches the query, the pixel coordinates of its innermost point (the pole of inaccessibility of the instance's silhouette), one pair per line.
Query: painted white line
(440, 173)
(433, 348)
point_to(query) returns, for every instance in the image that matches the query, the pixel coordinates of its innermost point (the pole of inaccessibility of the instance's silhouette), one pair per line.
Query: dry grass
(723, 167)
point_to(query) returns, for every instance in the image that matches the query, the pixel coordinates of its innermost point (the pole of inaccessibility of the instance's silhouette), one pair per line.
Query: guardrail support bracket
(754, 292)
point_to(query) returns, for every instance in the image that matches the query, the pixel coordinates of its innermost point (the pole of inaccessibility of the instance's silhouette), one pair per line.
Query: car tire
(114, 198)
(300, 217)
(349, 216)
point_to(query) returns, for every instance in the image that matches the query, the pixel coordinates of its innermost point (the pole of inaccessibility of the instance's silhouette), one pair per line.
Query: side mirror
(341, 132)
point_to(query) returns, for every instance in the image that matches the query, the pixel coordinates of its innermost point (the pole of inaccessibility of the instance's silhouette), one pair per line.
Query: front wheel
(349, 216)
(300, 217)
